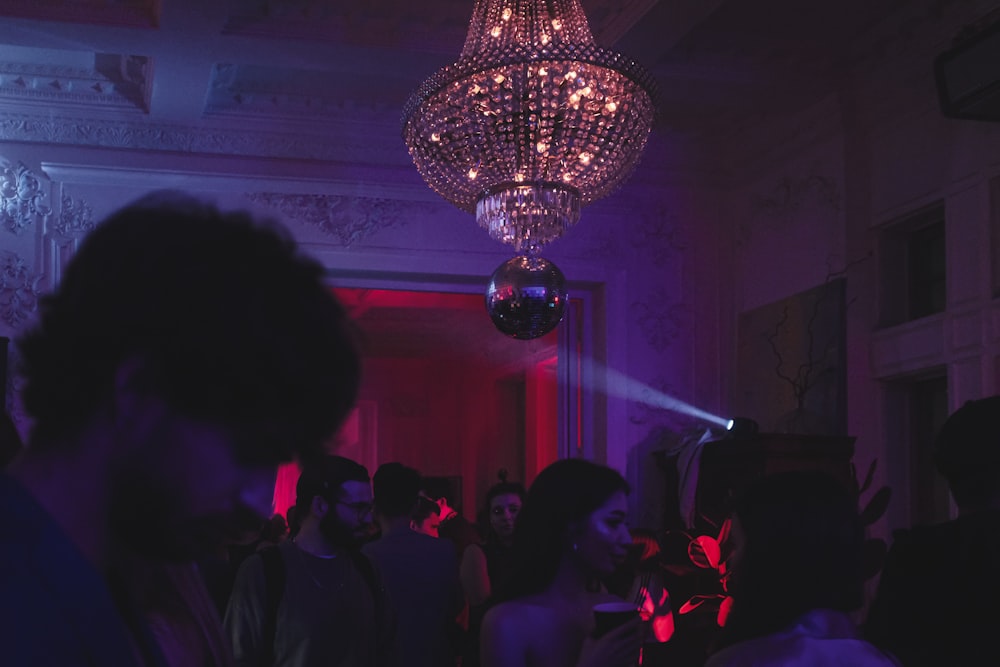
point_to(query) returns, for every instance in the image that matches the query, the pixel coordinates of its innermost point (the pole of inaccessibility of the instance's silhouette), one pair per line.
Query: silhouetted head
(967, 453)
(191, 340)
(503, 504)
(336, 491)
(396, 487)
(797, 545)
(576, 510)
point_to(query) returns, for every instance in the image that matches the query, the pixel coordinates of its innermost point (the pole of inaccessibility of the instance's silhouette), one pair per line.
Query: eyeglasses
(361, 509)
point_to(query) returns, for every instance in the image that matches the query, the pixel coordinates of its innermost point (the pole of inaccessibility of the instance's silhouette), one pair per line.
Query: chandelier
(533, 121)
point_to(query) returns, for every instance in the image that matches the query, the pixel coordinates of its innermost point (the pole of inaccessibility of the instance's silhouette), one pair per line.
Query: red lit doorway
(444, 392)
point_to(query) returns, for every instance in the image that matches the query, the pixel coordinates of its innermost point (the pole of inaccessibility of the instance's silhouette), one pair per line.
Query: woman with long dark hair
(572, 533)
(485, 566)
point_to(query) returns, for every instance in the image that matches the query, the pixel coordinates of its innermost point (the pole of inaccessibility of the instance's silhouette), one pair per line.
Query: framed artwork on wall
(791, 373)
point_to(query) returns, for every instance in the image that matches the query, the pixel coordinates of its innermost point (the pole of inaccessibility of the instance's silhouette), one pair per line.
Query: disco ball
(526, 297)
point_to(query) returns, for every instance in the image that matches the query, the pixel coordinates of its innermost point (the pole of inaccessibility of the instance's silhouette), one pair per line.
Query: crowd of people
(187, 352)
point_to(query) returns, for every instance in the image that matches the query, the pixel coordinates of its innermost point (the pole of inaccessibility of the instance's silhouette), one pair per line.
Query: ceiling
(302, 63)
(326, 80)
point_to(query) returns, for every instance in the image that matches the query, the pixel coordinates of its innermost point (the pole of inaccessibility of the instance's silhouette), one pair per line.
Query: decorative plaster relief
(75, 219)
(653, 234)
(348, 219)
(657, 234)
(64, 234)
(788, 197)
(790, 193)
(182, 139)
(19, 289)
(117, 81)
(21, 197)
(659, 320)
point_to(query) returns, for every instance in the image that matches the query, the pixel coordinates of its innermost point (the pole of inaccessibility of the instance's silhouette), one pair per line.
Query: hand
(618, 648)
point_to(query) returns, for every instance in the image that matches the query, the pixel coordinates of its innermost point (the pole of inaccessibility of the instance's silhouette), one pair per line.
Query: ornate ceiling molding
(347, 219)
(119, 82)
(186, 139)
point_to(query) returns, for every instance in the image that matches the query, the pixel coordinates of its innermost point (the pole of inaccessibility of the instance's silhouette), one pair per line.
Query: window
(912, 266)
(916, 409)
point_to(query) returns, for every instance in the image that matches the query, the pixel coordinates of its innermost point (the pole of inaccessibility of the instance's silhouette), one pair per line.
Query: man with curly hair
(185, 354)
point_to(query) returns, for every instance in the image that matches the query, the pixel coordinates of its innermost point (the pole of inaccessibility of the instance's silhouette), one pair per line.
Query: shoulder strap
(274, 588)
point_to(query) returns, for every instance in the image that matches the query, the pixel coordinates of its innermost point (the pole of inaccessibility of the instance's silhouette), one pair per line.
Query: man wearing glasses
(315, 599)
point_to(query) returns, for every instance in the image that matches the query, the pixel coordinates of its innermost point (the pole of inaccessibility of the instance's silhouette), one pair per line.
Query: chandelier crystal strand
(532, 122)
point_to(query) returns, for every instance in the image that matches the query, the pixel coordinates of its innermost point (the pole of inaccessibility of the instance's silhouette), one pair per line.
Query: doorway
(451, 396)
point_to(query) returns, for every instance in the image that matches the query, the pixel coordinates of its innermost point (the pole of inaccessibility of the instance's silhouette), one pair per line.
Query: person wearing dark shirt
(936, 602)
(420, 572)
(331, 608)
(184, 354)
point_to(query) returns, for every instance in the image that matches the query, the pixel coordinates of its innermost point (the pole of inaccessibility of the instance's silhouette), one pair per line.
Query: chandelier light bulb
(531, 123)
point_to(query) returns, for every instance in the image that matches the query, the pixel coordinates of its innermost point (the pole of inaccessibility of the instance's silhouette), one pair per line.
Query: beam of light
(622, 386)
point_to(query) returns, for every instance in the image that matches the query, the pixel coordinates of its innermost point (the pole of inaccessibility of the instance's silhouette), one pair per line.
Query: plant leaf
(704, 552)
(724, 608)
(695, 602)
(727, 526)
(876, 507)
(869, 476)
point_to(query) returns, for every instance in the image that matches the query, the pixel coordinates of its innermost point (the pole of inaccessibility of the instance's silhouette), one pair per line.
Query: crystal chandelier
(533, 121)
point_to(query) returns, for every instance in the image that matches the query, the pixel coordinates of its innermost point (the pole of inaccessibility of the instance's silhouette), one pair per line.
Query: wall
(876, 150)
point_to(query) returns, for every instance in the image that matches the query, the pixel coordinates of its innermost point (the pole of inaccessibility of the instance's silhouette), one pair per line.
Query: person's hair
(501, 488)
(966, 452)
(324, 477)
(395, 487)
(217, 313)
(10, 439)
(424, 508)
(803, 549)
(275, 529)
(560, 499)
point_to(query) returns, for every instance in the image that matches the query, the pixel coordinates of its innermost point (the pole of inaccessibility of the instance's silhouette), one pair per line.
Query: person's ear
(319, 506)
